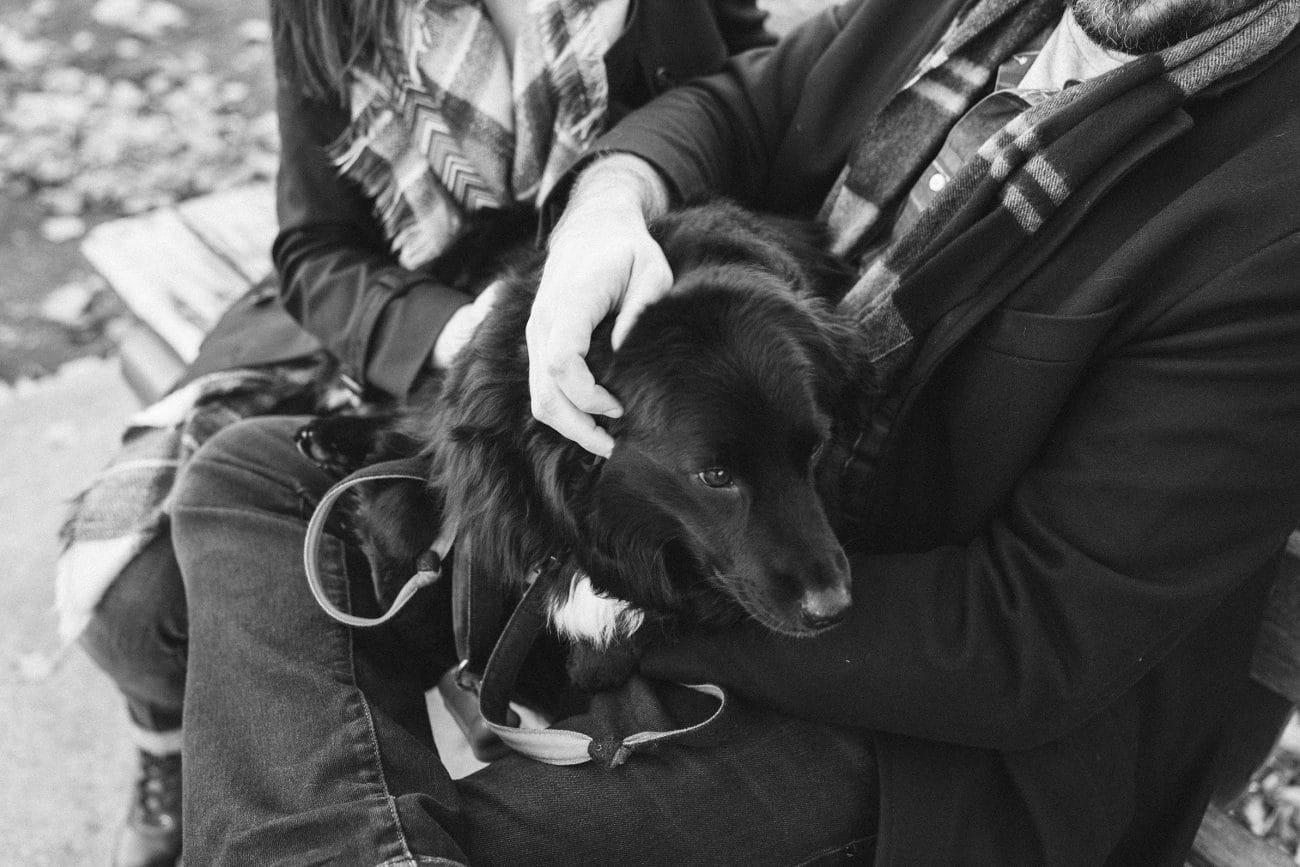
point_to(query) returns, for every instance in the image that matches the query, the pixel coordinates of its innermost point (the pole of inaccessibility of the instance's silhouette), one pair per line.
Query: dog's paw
(341, 444)
(596, 669)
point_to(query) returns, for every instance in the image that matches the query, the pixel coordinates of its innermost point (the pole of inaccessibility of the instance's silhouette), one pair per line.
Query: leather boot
(151, 835)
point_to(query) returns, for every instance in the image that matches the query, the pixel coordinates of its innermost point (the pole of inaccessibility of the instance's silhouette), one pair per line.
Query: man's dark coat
(1060, 561)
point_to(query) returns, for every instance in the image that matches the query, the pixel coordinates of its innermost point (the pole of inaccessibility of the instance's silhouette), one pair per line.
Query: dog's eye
(716, 477)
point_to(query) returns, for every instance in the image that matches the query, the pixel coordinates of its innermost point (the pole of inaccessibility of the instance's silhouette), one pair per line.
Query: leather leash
(428, 568)
(477, 613)
(490, 663)
(560, 746)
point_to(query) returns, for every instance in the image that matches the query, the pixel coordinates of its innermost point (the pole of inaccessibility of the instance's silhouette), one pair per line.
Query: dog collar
(504, 654)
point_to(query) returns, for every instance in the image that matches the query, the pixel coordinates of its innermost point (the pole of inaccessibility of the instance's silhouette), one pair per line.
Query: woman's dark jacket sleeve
(338, 276)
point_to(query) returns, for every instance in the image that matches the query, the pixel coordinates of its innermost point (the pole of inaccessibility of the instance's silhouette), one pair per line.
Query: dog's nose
(825, 606)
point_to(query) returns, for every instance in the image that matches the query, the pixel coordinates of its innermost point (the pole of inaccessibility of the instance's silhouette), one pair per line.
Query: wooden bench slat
(238, 224)
(1276, 662)
(166, 274)
(1223, 840)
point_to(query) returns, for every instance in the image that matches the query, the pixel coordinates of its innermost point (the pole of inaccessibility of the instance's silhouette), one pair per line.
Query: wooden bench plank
(1276, 662)
(166, 274)
(1223, 840)
(149, 365)
(239, 225)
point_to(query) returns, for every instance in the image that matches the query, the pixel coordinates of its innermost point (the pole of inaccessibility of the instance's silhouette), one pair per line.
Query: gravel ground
(107, 108)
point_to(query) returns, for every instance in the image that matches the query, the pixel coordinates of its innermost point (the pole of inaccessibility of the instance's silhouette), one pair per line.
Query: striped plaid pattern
(125, 506)
(467, 127)
(1022, 174)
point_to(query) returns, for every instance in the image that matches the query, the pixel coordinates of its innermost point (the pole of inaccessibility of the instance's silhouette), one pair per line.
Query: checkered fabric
(1022, 174)
(468, 125)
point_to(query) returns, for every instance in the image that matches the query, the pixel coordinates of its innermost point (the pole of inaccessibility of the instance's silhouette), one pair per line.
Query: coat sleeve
(1172, 476)
(338, 277)
(719, 134)
(742, 24)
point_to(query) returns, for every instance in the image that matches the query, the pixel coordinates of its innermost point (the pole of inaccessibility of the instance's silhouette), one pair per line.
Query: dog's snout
(825, 606)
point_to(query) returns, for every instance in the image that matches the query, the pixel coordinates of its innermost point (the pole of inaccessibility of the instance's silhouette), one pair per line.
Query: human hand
(461, 326)
(601, 260)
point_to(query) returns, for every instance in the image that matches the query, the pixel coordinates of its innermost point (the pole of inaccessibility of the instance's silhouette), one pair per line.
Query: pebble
(68, 304)
(58, 230)
(62, 201)
(255, 30)
(82, 41)
(148, 18)
(128, 49)
(20, 52)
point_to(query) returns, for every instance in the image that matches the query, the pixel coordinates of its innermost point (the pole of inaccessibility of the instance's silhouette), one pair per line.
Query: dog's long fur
(706, 512)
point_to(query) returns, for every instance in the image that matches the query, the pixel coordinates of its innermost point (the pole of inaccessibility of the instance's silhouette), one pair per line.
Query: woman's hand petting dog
(706, 511)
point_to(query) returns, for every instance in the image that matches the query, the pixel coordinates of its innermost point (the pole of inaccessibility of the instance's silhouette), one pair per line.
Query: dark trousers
(138, 636)
(308, 742)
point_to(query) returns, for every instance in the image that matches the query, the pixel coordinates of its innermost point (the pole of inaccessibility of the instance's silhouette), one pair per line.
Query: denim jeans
(138, 636)
(308, 742)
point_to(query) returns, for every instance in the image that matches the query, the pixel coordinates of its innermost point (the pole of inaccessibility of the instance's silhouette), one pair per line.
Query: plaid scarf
(125, 506)
(467, 126)
(1019, 177)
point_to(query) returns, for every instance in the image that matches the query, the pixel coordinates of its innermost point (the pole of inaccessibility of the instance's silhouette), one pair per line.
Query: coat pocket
(1003, 391)
(1045, 337)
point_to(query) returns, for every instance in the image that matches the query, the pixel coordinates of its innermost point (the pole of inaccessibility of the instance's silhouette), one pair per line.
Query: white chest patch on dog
(587, 615)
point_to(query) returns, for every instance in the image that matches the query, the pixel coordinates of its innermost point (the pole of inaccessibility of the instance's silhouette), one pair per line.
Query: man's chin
(1146, 26)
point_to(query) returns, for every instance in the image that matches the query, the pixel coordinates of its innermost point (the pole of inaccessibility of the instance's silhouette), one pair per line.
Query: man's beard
(1144, 26)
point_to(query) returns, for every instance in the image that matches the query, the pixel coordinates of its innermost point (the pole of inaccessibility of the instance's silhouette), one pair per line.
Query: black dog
(707, 510)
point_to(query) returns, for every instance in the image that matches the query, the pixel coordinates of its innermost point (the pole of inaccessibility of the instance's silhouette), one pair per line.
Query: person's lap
(309, 742)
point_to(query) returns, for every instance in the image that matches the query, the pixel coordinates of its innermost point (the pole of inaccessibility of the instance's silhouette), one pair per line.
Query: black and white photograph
(650, 433)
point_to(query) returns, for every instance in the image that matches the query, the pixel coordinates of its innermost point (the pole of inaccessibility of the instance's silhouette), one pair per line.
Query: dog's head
(710, 488)
(707, 507)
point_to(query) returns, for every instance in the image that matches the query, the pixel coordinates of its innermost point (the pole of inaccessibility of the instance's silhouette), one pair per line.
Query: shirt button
(937, 182)
(664, 78)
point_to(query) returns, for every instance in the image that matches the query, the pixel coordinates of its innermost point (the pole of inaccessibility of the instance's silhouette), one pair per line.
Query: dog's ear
(628, 528)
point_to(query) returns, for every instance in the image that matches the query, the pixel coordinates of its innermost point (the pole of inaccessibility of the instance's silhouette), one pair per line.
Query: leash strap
(478, 608)
(560, 746)
(430, 564)
(505, 656)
